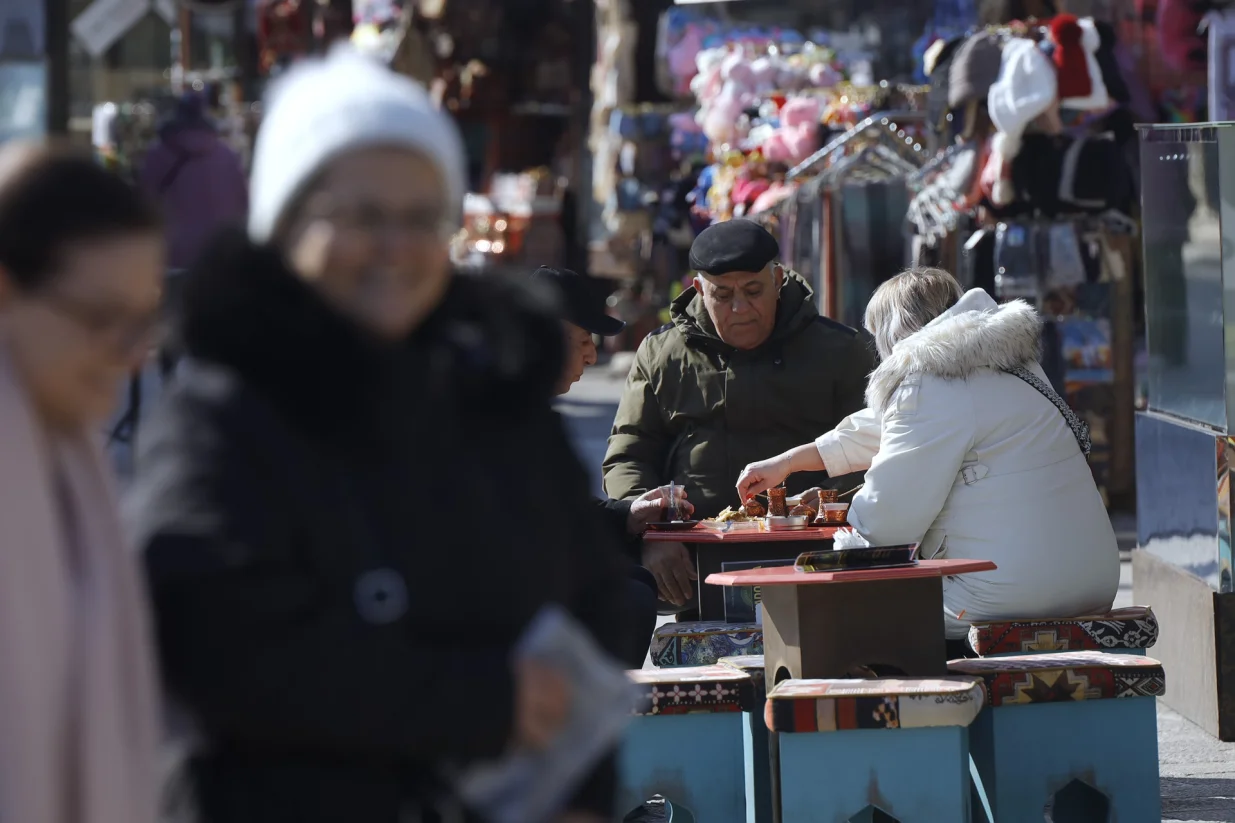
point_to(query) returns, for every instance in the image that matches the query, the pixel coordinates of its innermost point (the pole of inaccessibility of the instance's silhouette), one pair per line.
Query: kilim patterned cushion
(752, 666)
(887, 703)
(1059, 678)
(1131, 628)
(690, 690)
(704, 643)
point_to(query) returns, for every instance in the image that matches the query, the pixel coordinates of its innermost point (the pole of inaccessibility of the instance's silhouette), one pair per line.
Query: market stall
(752, 105)
(1032, 196)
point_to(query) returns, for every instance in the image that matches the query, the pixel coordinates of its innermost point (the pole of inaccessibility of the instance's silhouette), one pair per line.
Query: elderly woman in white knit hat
(341, 502)
(970, 452)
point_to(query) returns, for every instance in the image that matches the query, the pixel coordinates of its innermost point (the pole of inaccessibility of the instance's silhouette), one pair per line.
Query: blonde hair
(906, 303)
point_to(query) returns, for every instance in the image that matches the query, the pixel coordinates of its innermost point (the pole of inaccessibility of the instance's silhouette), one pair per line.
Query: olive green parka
(696, 411)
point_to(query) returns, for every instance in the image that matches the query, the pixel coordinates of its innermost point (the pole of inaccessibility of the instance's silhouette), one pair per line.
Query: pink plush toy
(823, 76)
(683, 57)
(766, 74)
(791, 144)
(800, 111)
(736, 69)
(802, 142)
(719, 118)
(775, 149)
(707, 84)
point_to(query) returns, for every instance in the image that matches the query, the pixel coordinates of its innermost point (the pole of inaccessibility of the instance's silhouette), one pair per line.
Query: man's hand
(650, 508)
(671, 565)
(810, 497)
(764, 475)
(542, 704)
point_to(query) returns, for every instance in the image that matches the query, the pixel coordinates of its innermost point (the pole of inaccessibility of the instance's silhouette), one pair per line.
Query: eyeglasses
(122, 334)
(370, 219)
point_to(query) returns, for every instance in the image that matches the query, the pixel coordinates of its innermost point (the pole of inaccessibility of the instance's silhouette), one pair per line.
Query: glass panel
(23, 100)
(1183, 274)
(1177, 489)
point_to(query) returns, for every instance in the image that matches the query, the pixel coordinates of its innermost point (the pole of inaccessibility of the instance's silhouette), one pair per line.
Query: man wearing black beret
(747, 368)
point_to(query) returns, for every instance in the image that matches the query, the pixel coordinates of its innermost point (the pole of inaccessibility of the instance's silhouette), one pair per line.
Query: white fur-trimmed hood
(976, 333)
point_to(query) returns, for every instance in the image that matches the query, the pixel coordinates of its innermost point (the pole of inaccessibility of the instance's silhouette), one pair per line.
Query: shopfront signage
(106, 21)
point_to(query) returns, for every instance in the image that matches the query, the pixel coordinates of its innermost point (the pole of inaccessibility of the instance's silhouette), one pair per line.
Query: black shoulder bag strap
(1080, 429)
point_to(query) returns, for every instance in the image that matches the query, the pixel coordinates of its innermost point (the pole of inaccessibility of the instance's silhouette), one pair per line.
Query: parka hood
(977, 333)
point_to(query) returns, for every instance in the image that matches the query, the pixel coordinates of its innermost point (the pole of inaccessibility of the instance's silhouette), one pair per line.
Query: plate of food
(733, 520)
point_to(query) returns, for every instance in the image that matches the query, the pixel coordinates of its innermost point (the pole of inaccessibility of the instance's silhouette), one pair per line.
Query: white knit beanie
(325, 107)
(1026, 88)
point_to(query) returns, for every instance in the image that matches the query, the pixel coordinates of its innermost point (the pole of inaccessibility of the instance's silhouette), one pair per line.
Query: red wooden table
(701, 535)
(827, 624)
(723, 551)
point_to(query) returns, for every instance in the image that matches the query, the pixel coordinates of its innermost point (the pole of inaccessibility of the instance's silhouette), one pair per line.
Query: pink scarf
(78, 704)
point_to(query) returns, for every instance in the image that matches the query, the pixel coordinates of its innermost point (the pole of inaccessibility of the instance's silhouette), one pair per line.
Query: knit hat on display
(1025, 89)
(323, 108)
(1097, 98)
(1069, 57)
(974, 69)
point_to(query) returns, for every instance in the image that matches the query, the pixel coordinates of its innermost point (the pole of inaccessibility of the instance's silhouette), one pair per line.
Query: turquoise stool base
(758, 749)
(1027, 753)
(695, 760)
(915, 775)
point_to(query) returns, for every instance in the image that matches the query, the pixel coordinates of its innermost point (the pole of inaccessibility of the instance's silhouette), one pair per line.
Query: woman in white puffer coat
(968, 451)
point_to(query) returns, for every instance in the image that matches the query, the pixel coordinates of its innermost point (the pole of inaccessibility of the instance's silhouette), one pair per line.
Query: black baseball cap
(583, 300)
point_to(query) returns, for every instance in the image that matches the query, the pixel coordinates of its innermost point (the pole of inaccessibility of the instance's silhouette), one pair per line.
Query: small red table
(826, 624)
(723, 551)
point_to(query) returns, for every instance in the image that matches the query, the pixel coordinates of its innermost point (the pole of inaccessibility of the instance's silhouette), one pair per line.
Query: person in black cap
(582, 302)
(746, 368)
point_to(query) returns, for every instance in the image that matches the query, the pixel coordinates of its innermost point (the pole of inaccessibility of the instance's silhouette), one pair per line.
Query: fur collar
(976, 333)
(491, 345)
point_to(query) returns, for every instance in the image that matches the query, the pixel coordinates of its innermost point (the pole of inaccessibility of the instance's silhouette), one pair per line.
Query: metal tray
(787, 524)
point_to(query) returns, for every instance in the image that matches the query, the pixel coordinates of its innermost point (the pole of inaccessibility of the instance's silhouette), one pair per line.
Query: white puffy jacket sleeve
(927, 430)
(852, 445)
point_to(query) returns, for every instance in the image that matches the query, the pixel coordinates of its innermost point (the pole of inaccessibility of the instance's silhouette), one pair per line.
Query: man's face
(580, 353)
(742, 305)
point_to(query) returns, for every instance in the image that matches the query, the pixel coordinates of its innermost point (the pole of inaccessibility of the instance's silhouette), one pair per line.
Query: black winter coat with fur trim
(295, 476)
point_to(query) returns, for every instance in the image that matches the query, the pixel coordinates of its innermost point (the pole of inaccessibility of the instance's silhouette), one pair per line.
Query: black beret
(735, 245)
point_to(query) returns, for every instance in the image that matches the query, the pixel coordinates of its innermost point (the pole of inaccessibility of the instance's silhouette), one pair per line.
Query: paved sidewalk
(1197, 771)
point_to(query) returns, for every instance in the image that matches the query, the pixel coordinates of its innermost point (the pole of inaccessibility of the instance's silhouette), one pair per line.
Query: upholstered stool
(686, 743)
(1125, 631)
(855, 747)
(757, 744)
(702, 643)
(1076, 730)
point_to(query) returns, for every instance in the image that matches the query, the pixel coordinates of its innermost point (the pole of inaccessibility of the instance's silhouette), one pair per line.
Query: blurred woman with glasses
(342, 501)
(81, 262)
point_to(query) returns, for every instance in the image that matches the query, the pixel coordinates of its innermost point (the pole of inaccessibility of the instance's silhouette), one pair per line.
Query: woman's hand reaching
(768, 474)
(764, 475)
